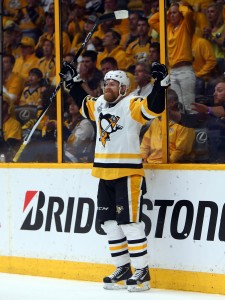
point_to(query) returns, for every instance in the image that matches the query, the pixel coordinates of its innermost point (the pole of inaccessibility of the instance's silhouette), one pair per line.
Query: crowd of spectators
(195, 54)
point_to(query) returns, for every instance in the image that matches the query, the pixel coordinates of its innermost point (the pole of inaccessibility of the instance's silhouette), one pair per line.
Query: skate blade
(139, 287)
(115, 286)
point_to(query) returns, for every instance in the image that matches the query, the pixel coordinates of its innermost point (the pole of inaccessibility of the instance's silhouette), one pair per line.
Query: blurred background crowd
(195, 57)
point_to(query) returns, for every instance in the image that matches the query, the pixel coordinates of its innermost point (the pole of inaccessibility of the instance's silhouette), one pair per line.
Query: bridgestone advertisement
(51, 214)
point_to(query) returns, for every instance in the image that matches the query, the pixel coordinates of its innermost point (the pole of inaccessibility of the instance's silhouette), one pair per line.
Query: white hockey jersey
(117, 150)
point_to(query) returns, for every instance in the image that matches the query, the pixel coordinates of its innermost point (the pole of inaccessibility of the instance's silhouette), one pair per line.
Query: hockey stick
(116, 15)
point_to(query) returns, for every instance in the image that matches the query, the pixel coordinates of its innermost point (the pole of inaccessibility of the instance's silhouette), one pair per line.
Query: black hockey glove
(160, 74)
(68, 73)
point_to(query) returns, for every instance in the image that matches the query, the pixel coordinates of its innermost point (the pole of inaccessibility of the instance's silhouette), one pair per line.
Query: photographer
(211, 119)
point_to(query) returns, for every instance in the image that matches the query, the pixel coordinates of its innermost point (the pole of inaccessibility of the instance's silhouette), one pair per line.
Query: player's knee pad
(113, 230)
(133, 229)
(109, 225)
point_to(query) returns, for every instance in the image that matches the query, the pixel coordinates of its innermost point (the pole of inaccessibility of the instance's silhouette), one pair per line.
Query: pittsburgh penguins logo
(107, 125)
(119, 209)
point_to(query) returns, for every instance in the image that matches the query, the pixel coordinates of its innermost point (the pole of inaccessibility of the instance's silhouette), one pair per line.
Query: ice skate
(117, 280)
(139, 281)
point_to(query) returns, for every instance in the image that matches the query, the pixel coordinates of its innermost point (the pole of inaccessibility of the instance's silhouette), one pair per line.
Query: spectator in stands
(79, 146)
(204, 65)
(132, 35)
(47, 62)
(110, 5)
(12, 12)
(110, 64)
(51, 8)
(199, 8)
(154, 52)
(68, 57)
(122, 26)
(42, 147)
(138, 51)
(181, 139)
(221, 2)
(31, 19)
(13, 83)
(11, 38)
(12, 132)
(75, 22)
(180, 30)
(49, 33)
(215, 33)
(89, 73)
(27, 60)
(134, 5)
(32, 92)
(150, 7)
(103, 28)
(112, 48)
(211, 118)
(80, 36)
(142, 75)
(217, 108)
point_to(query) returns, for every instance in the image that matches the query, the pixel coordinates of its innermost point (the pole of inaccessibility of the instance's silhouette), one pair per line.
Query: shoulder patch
(90, 98)
(138, 99)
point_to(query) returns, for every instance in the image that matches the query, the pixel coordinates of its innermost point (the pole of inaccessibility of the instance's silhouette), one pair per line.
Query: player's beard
(109, 96)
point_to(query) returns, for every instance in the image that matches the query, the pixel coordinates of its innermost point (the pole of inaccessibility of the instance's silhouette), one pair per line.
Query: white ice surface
(23, 287)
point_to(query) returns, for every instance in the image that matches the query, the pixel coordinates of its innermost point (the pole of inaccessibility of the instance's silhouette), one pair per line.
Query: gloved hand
(67, 73)
(160, 73)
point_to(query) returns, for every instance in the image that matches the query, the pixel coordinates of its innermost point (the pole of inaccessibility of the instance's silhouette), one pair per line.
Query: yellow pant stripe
(135, 194)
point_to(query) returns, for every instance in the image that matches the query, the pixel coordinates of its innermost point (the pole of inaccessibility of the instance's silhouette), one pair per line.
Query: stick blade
(116, 15)
(121, 14)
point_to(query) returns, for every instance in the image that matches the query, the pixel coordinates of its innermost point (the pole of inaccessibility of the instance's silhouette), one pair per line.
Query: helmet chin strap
(119, 96)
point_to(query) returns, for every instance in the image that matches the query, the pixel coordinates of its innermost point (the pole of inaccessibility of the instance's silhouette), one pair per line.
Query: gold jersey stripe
(117, 155)
(115, 173)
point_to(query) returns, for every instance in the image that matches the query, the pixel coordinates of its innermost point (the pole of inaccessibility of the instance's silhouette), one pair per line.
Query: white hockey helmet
(119, 76)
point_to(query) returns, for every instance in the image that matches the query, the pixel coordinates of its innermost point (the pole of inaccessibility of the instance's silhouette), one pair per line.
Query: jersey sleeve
(88, 108)
(140, 111)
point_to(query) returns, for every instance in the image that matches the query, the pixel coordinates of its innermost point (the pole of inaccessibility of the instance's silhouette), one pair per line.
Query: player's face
(111, 90)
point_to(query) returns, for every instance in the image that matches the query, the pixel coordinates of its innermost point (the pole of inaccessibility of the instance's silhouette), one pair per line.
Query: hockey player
(119, 118)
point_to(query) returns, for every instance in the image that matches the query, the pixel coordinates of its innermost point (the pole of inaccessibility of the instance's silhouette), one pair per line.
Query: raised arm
(156, 99)
(73, 82)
